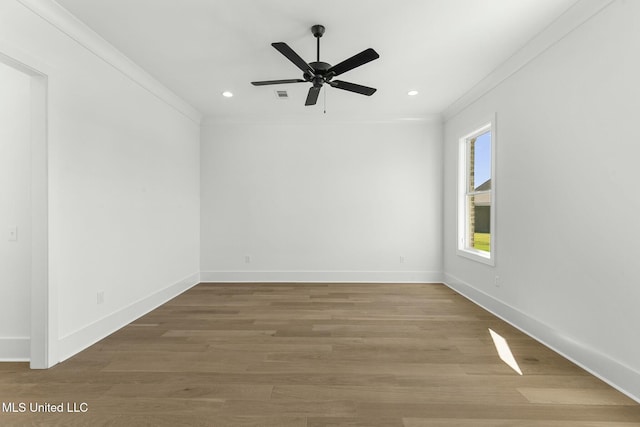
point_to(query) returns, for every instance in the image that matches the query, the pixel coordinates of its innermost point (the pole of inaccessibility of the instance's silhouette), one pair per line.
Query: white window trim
(470, 253)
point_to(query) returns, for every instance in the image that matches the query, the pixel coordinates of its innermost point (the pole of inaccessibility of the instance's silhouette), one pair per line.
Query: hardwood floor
(313, 355)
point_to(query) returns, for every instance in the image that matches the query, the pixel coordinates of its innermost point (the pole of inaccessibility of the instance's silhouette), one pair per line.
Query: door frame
(42, 339)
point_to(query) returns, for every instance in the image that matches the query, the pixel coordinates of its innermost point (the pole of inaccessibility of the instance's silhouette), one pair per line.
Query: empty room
(301, 214)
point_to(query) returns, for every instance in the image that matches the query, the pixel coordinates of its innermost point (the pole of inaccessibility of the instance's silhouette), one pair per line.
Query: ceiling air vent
(282, 94)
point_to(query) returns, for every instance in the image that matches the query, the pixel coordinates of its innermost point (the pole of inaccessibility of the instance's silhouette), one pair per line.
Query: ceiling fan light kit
(318, 73)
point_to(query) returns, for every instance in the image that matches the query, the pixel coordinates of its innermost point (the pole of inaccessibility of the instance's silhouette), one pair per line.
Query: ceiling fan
(318, 73)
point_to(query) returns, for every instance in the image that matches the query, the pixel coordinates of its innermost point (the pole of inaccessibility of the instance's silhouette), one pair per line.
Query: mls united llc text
(46, 407)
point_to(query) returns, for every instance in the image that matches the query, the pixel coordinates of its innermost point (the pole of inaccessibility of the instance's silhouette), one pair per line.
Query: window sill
(479, 256)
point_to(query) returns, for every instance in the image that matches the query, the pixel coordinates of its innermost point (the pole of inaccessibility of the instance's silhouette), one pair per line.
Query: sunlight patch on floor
(504, 351)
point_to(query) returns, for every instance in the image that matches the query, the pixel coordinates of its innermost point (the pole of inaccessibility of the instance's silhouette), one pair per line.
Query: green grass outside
(482, 241)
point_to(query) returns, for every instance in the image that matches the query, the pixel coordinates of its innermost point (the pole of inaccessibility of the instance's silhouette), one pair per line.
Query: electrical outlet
(497, 282)
(100, 297)
(13, 234)
(247, 259)
(402, 259)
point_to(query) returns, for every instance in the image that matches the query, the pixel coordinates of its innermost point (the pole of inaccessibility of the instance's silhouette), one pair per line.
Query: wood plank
(573, 396)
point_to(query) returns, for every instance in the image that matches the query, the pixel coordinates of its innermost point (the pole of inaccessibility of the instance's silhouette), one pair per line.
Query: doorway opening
(39, 345)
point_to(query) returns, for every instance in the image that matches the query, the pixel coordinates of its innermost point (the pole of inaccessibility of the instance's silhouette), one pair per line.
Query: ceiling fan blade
(312, 97)
(352, 87)
(284, 49)
(277, 82)
(361, 58)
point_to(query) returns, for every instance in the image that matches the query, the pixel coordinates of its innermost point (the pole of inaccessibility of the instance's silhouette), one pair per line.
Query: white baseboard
(322, 276)
(15, 349)
(614, 373)
(89, 335)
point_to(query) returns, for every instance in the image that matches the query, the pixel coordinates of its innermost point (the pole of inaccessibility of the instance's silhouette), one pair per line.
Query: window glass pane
(480, 162)
(482, 242)
(479, 222)
(482, 222)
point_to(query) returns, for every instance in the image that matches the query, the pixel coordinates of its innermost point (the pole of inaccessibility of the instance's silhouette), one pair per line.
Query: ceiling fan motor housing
(321, 70)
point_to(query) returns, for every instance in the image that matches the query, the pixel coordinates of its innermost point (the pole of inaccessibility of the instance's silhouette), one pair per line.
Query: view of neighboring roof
(485, 186)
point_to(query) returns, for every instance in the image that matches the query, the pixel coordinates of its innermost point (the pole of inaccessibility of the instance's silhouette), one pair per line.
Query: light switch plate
(13, 234)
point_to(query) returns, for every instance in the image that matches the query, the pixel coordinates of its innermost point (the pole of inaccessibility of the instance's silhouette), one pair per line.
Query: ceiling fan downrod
(317, 31)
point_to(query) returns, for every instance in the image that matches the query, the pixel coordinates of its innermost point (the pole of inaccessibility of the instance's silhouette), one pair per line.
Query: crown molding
(63, 20)
(571, 19)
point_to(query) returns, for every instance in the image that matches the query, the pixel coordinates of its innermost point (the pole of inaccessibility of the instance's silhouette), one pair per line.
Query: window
(476, 218)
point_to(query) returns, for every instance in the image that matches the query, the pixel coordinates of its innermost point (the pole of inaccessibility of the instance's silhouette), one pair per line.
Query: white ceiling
(200, 48)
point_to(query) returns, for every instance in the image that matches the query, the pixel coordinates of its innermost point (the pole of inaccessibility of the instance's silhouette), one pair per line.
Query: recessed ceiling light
(227, 94)
(412, 93)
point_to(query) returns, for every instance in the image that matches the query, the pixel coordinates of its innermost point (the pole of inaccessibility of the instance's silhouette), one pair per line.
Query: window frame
(463, 158)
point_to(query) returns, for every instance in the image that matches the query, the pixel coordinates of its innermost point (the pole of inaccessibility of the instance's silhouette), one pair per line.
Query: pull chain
(325, 100)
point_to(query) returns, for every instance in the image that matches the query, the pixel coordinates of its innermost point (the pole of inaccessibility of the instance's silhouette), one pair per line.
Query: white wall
(123, 185)
(15, 211)
(321, 200)
(567, 204)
